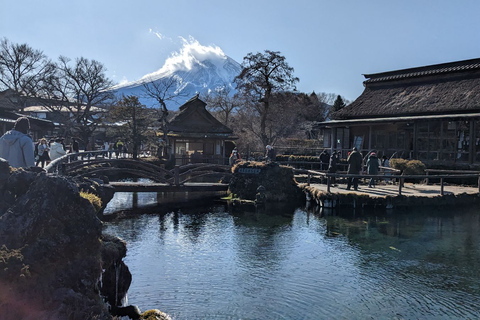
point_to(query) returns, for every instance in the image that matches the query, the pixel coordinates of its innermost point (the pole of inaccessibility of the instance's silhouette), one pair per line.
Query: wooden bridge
(179, 179)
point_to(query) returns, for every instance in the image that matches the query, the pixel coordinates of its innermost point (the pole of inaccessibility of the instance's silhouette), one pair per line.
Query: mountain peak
(196, 69)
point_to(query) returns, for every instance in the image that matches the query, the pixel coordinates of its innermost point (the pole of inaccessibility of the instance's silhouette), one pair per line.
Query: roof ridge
(456, 66)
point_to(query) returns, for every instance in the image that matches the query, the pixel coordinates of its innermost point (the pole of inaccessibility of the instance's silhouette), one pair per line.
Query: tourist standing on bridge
(372, 168)
(119, 148)
(332, 165)
(56, 149)
(16, 146)
(324, 159)
(42, 152)
(355, 161)
(271, 154)
(75, 148)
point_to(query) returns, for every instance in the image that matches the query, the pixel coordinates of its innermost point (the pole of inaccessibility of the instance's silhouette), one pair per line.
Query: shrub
(286, 157)
(408, 167)
(94, 199)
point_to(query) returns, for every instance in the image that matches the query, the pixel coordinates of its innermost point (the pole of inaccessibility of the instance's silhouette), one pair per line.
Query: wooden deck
(408, 189)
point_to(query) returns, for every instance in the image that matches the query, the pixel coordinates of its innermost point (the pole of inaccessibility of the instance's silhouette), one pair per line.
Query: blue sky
(330, 44)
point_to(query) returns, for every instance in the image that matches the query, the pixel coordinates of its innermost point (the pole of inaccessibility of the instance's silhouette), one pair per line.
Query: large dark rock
(50, 250)
(116, 278)
(278, 182)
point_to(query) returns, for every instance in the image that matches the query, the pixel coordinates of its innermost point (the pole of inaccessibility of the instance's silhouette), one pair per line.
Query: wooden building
(39, 128)
(429, 113)
(197, 136)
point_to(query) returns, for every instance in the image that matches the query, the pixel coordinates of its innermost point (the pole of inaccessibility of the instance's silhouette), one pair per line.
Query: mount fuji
(195, 69)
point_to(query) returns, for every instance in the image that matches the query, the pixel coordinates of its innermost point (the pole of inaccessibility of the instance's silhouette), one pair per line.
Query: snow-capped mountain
(195, 69)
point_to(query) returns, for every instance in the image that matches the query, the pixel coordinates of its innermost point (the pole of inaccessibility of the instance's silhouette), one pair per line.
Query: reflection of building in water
(430, 113)
(197, 136)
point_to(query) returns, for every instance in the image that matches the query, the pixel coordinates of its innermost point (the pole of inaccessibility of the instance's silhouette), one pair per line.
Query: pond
(220, 262)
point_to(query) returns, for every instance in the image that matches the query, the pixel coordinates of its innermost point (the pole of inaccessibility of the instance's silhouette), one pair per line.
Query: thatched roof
(193, 120)
(438, 89)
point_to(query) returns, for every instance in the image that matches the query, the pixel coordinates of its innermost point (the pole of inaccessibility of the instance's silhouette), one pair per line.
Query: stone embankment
(54, 261)
(387, 196)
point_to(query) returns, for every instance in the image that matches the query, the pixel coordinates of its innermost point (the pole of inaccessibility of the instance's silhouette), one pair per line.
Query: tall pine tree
(338, 104)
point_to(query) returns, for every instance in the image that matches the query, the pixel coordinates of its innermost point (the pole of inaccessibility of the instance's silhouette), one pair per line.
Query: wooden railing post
(441, 186)
(427, 178)
(329, 183)
(177, 175)
(308, 178)
(400, 183)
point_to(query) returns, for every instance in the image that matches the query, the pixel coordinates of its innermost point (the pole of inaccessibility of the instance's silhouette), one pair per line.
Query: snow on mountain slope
(196, 68)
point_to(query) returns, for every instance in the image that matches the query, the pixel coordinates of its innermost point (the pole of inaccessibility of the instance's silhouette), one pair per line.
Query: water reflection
(282, 262)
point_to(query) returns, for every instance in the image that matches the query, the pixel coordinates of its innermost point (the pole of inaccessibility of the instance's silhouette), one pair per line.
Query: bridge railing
(400, 178)
(96, 160)
(58, 165)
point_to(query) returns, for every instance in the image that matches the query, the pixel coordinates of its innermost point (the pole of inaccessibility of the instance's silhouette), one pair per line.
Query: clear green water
(301, 263)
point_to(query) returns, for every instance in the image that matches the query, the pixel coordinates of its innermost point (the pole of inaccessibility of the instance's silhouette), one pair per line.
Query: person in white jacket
(56, 150)
(16, 146)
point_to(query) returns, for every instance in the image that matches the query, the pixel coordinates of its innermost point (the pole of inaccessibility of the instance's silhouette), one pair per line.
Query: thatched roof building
(194, 121)
(430, 113)
(197, 136)
(448, 88)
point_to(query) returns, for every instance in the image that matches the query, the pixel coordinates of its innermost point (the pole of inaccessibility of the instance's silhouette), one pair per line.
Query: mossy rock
(278, 181)
(154, 314)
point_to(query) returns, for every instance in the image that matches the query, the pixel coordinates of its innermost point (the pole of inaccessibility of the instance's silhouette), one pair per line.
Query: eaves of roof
(452, 117)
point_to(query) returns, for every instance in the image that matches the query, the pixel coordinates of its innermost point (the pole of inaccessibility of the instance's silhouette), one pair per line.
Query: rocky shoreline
(55, 263)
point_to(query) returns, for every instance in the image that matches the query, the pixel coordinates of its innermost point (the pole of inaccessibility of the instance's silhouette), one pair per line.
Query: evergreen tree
(338, 104)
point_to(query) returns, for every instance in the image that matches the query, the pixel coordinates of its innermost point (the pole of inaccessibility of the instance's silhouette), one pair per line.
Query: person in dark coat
(271, 154)
(372, 168)
(324, 159)
(355, 161)
(332, 165)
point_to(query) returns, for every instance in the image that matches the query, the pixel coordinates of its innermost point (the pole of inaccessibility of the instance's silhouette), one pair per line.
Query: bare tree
(135, 118)
(292, 115)
(223, 103)
(23, 70)
(79, 93)
(264, 74)
(162, 91)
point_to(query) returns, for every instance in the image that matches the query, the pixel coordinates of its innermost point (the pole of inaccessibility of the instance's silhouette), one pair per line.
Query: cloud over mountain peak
(196, 68)
(191, 54)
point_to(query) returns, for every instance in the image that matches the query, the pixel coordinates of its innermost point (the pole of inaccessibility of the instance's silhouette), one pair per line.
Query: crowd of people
(355, 166)
(18, 148)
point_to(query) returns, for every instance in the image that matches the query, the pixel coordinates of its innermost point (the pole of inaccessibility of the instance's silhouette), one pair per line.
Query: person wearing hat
(16, 146)
(372, 168)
